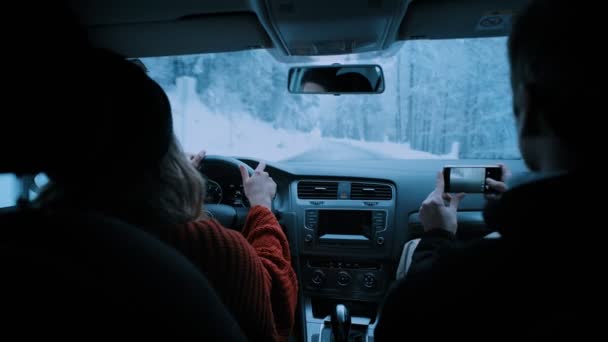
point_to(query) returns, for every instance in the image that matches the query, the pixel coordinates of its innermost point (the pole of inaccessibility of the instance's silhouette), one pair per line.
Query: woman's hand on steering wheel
(259, 187)
(197, 159)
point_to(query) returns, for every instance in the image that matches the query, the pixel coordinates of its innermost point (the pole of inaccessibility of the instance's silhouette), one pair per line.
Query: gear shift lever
(340, 323)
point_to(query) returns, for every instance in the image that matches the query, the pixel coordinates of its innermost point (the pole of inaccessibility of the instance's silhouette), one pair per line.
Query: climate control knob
(369, 280)
(343, 278)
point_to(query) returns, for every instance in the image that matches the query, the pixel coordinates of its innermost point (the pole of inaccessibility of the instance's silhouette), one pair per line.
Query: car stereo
(344, 227)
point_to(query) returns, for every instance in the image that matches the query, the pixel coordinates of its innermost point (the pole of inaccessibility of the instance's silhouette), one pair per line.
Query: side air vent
(317, 190)
(367, 191)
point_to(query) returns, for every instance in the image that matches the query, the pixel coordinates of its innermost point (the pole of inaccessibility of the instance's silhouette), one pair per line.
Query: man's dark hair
(550, 52)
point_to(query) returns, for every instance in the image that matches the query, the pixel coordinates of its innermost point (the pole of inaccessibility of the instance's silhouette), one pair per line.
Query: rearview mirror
(336, 79)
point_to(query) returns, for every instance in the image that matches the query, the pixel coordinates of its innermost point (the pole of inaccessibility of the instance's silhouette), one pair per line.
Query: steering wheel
(229, 216)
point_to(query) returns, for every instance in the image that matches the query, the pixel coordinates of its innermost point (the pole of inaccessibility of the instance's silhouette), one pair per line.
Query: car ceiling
(139, 28)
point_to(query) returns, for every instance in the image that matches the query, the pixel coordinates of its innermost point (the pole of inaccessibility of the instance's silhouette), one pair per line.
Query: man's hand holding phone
(438, 210)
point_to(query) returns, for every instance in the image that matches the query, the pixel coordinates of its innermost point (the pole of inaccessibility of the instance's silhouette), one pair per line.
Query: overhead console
(317, 27)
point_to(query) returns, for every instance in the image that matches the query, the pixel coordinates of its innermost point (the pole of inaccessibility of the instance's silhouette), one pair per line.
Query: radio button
(311, 219)
(308, 238)
(380, 241)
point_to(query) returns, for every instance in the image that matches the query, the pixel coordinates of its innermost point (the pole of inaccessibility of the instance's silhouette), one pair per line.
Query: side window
(9, 186)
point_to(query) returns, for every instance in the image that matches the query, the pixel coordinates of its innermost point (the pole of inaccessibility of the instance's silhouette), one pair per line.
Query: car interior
(352, 225)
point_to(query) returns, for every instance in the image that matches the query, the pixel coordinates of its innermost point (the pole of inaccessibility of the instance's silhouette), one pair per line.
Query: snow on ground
(235, 134)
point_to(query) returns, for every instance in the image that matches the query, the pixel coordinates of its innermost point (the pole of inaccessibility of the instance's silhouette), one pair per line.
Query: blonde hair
(182, 186)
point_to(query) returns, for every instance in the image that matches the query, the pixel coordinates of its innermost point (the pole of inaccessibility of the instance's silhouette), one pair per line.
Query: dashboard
(347, 223)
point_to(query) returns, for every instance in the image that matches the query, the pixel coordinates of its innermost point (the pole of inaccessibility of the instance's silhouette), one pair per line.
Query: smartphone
(470, 179)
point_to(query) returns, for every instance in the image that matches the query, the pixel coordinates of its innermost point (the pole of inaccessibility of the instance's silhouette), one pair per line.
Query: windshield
(444, 99)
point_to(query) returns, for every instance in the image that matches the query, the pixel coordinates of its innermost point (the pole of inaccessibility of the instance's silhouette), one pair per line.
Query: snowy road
(333, 150)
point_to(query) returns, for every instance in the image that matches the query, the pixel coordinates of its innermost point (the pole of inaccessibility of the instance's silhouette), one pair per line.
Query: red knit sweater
(251, 271)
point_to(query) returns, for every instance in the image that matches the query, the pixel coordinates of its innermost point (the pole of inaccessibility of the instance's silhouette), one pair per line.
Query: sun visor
(446, 19)
(187, 35)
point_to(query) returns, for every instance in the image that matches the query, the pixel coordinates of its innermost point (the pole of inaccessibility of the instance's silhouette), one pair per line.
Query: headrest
(44, 77)
(82, 111)
(126, 127)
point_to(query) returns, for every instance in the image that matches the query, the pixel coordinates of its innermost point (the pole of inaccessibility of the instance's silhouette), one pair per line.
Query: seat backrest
(83, 276)
(408, 253)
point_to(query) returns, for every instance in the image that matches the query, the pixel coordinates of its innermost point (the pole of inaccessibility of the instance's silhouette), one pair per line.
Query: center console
(343, 230)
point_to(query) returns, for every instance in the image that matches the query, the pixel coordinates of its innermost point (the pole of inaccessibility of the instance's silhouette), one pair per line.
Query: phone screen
(469, 179)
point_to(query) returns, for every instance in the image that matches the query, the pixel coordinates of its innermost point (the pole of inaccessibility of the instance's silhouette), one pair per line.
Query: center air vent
(370, 191)
(318, 190)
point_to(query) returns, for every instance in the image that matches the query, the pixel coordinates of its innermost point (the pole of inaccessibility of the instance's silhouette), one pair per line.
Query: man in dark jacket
(540, 280)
